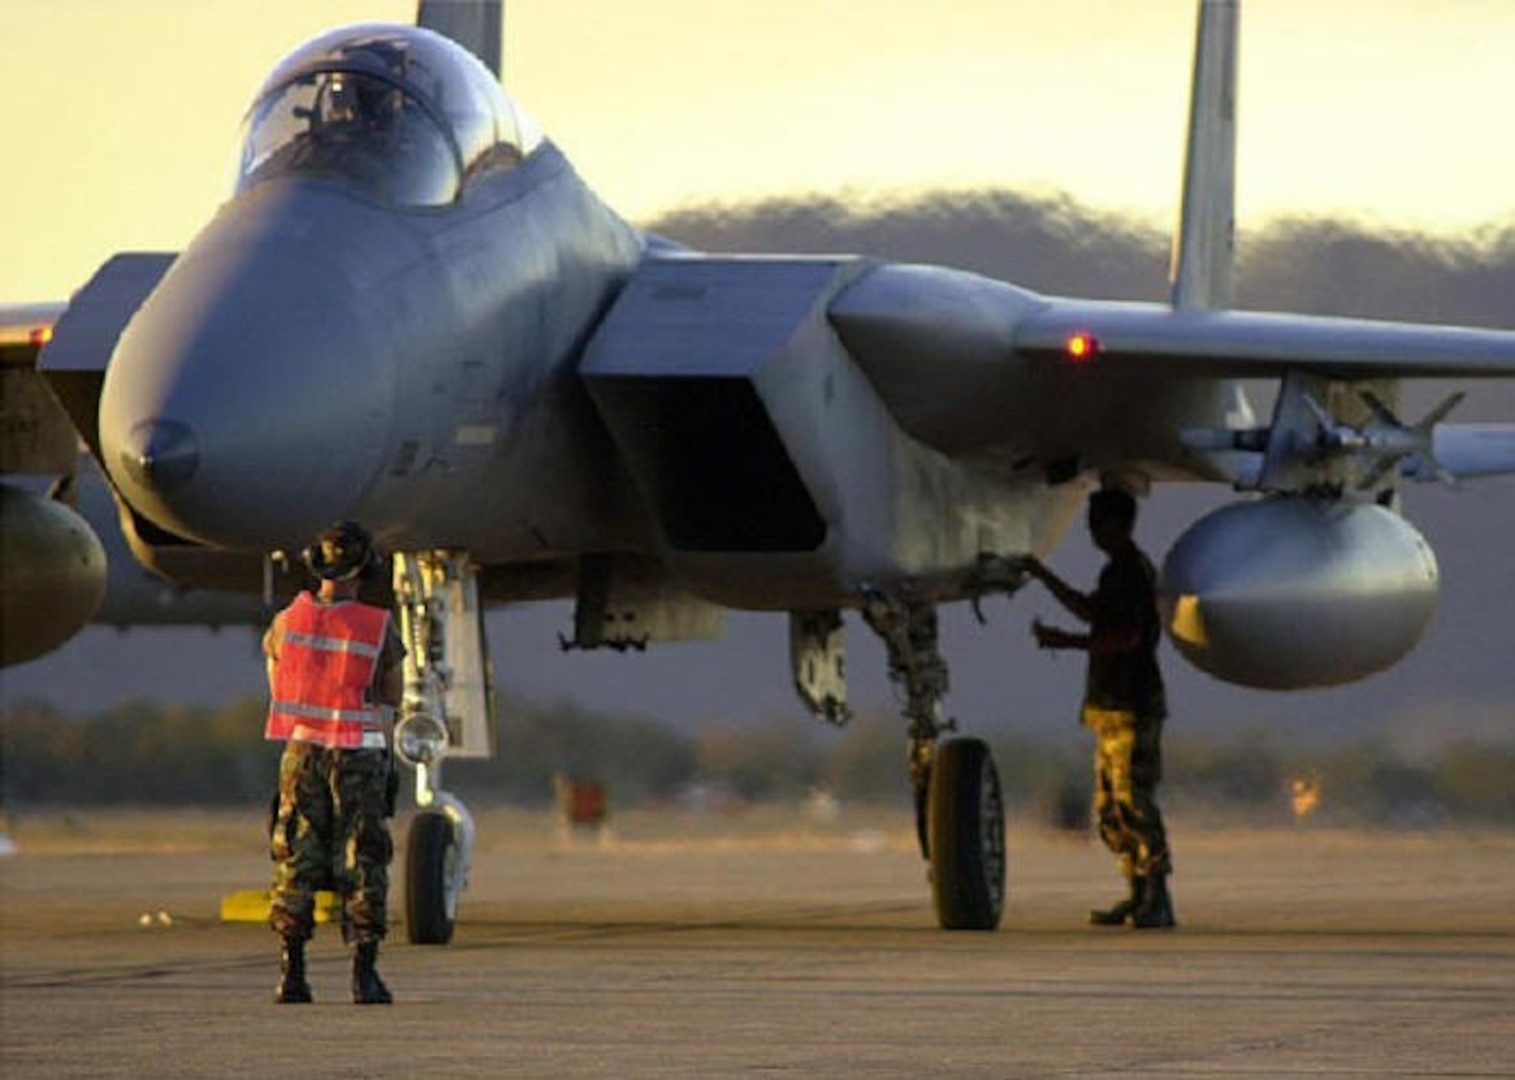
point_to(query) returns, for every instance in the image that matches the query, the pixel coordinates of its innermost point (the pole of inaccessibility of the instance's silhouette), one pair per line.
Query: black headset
(355, 555)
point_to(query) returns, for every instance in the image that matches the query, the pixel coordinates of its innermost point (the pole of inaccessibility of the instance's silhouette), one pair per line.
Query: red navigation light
(40, 336)
(1081, 346)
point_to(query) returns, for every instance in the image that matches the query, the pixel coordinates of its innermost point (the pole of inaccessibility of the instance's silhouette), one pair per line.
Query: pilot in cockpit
(356, 129)
(399, 119)
(357, 105)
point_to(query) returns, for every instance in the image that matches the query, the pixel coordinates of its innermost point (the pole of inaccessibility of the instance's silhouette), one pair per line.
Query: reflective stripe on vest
(327, 658)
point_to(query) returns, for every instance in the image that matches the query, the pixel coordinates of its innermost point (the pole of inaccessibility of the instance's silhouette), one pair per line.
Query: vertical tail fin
(1204, 243)
(474, 24)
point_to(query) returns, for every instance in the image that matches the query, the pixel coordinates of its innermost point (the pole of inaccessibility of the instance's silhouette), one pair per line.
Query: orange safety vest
(325, 672)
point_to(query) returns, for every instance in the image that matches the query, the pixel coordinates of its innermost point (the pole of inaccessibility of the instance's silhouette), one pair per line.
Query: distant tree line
(148, 753)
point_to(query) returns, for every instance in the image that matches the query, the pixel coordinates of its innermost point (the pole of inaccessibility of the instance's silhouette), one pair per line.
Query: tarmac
(769, 943)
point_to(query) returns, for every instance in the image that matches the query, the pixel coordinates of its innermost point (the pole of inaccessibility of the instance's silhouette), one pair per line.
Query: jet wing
(986, 370)
(1157, 341)
(35, 435)
(24, 330)
(1245, 344)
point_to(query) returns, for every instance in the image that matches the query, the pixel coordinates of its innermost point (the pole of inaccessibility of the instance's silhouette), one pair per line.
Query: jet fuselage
(379, 324)
(313, 356)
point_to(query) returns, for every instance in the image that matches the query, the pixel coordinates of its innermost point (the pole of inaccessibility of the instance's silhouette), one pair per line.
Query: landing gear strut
(960, 818)
(446, 711)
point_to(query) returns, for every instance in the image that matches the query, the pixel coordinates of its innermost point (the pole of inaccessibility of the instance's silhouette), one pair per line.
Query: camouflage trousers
(1128, 764)
(329, 832)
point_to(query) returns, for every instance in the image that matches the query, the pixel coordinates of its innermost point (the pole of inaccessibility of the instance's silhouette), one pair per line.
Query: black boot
(1155, 912)
(1117, 915)
(292, 988)
(367, 987)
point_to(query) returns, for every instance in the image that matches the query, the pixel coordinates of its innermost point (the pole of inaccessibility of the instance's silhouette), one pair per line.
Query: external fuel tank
(1295, 591)
(59, 578)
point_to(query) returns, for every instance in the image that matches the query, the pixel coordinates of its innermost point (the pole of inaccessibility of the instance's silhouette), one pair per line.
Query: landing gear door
(448, 673)
(817, 655)
(469, 695)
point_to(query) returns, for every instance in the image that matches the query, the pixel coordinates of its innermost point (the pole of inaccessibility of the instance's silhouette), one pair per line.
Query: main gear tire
(431, 892)
(966, 826)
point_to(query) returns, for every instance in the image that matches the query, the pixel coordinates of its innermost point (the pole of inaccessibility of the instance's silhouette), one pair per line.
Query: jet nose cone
(249, 400)
(160, 454)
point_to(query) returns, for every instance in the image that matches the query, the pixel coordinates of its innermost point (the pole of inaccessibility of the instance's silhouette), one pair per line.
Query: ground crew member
(1124, 704)
(334, 673)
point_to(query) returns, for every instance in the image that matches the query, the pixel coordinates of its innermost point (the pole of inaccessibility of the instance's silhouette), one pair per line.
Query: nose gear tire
(430, 898)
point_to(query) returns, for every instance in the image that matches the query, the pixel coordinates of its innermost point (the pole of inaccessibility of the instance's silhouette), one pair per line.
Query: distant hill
(1055, 245)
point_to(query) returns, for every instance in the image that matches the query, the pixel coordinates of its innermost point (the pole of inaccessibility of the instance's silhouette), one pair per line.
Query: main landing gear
(446, 712)
(960, 816)
(959, 812)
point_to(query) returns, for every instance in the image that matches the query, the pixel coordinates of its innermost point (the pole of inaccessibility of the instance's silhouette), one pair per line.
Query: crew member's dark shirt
(1127, 596)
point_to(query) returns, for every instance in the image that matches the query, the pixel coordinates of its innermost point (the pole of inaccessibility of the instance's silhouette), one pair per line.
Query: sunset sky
(119, 119)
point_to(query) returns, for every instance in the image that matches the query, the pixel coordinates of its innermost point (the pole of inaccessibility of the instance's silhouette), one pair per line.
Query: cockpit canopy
(402, 114)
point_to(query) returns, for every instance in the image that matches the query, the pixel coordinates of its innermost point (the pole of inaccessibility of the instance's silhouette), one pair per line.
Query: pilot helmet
(343, 552)
(339, 100)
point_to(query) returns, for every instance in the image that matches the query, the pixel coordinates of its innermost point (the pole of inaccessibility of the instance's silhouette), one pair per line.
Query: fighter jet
(413, 313)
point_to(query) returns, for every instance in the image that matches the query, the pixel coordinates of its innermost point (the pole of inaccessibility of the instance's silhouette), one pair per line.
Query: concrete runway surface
(771, 944)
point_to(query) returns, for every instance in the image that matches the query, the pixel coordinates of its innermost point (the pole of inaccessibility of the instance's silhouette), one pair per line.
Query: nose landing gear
(446, 712)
